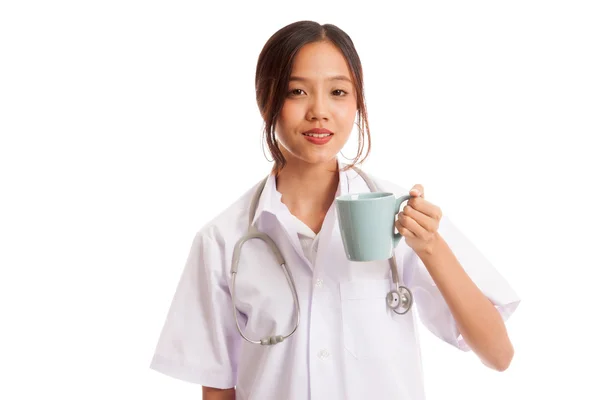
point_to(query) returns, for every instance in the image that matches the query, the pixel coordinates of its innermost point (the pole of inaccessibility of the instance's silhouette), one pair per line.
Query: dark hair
(273, 71)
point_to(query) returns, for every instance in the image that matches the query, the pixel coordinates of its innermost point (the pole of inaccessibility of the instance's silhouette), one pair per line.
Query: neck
(308, 190)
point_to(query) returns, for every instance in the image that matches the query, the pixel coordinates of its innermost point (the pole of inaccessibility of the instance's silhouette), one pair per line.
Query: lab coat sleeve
(432, 309)
(199, 342)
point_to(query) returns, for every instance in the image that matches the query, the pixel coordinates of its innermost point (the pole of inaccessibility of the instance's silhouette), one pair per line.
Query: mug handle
(399, 200)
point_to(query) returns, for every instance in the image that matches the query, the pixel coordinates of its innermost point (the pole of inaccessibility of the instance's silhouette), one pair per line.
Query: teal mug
(367, 223)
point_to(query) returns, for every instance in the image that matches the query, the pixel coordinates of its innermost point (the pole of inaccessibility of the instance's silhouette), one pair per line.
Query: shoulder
(230, 221)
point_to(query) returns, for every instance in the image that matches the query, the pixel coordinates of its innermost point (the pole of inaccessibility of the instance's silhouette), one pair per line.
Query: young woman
(330, 334)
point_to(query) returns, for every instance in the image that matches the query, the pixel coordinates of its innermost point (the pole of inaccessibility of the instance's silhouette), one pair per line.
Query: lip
(318, 141)
(318, 130)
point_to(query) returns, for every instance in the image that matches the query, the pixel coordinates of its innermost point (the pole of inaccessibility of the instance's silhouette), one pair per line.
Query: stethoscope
(399, 299)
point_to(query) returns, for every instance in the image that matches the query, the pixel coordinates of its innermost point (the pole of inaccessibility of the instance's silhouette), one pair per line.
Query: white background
(127, 125)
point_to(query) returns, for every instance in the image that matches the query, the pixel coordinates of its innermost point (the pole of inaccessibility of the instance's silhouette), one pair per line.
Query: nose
(317, 109)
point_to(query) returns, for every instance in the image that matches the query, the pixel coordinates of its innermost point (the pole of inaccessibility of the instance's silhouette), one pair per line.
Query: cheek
(289, 114)
(287, 123)
(280, 124)
(346, 114)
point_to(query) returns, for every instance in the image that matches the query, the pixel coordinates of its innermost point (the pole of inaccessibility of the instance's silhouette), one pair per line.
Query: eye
(295, 92)
(338, 91)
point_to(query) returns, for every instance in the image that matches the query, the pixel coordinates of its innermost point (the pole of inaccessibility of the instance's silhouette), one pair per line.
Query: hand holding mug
(419, 221)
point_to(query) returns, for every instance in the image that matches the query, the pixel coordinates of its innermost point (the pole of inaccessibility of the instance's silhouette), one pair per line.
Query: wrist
(433, 248)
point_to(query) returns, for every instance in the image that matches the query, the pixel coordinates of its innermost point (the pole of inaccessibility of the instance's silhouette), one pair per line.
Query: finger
(403, 230)
(413, 226)
(417, 190)
(430, 224)
(425, 207)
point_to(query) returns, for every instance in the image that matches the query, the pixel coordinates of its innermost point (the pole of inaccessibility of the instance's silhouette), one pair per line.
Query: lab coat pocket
(369, 330)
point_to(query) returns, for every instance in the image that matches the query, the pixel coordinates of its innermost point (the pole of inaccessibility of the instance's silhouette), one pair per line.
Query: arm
(199, 341)
(209, 393)
(477, 319)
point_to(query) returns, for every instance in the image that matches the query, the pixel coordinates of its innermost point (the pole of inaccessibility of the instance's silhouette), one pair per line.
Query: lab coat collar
(270, 199)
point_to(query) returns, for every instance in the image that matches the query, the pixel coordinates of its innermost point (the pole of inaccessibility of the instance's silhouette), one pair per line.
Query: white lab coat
(349, 345)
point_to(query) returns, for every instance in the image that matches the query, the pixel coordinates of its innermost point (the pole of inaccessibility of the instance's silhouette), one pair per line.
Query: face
(320, 95)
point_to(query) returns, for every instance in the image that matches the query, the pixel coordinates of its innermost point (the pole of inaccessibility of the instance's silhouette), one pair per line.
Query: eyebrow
(333, 78)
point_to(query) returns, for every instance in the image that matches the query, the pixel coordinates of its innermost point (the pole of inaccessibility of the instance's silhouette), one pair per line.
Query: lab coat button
(319, 283)
(323, 354)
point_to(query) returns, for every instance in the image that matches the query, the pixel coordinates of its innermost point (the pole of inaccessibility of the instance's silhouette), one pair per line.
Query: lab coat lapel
(286, 220)
(270, 202)
(330, 228)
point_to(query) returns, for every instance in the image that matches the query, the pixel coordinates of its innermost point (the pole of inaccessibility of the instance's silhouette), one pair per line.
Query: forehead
(317, 61)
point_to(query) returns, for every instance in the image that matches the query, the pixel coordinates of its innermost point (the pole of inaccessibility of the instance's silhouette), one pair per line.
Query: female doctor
(332, 335)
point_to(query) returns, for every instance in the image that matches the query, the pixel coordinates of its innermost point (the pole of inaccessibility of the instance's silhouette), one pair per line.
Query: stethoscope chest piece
(400, 300)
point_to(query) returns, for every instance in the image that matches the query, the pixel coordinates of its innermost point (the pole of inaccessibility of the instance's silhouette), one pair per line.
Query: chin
(322, 159)
(314, 155)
